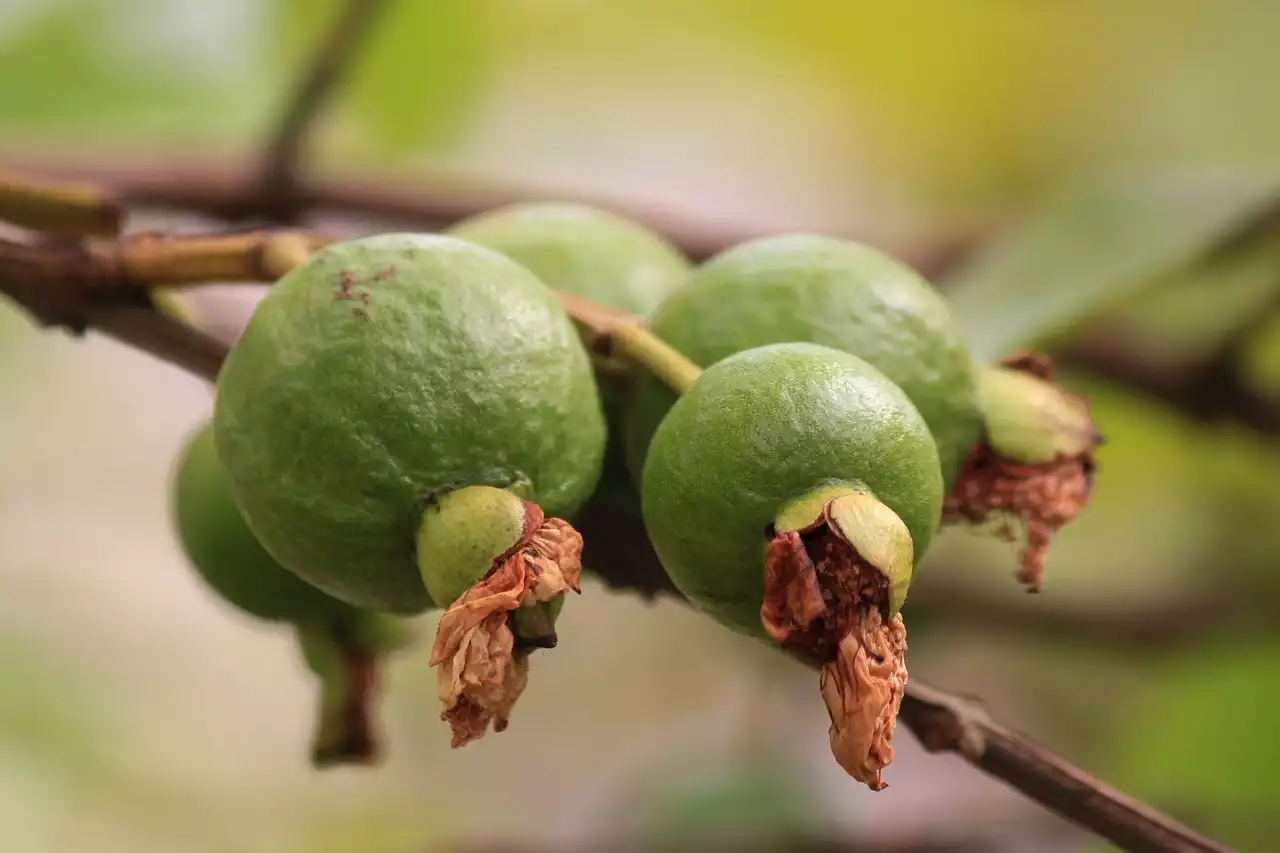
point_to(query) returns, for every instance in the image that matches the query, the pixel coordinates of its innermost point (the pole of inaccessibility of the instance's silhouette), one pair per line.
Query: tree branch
(230, 189)
(279, 180)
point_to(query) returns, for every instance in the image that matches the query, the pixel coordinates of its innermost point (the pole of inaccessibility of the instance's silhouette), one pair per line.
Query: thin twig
(58, 207)
(230, 189)
(279, 180)
(147, 259)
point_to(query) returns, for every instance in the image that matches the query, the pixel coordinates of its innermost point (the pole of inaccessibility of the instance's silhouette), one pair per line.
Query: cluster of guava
(411, 422)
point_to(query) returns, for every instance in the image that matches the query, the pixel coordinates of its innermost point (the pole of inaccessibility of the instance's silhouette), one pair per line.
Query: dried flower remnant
(481, 655)
(832, 592)
(1033, 473)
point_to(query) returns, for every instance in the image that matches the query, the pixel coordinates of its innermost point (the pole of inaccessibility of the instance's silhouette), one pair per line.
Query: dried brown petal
(863, 689)
(824, 600)
(480, 672)
(1034, 499)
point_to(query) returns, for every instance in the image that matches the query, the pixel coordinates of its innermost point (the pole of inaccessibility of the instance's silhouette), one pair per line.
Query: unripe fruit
(387, 370)
(815, 289)
(584, 251)
(381, 386)
(789, 494)
(340, 643)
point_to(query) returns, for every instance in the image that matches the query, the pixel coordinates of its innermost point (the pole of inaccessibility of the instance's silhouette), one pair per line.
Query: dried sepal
(481, 668)
(1033, 473)
(826, 600)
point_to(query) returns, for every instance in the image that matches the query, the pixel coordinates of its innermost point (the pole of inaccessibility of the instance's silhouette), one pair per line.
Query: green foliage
(1090, 249)
(68, 68)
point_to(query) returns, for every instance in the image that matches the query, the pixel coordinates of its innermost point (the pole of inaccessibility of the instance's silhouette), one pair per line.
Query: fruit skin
(815, 289)
(225, 553)
(584, 251)
(760, 429)
(383, 371)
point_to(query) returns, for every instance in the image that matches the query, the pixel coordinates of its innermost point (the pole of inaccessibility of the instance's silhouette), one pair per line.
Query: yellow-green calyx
(462, 534)
(873, 530)
(502, 568)
(1030, 420)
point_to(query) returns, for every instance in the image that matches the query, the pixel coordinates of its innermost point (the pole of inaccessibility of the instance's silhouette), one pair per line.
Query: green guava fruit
(230, 560)
(403, 416)
(388, 370)
(584, 251)
(789, 493)
(597, 255)
(814, 289)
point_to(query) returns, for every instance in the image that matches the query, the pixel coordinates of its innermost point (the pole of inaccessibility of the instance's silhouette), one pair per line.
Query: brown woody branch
(31, 275)
(279, 179)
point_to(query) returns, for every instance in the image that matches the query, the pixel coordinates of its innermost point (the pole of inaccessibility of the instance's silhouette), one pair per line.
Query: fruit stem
(615, 332)
(665, 362)
(348, 680)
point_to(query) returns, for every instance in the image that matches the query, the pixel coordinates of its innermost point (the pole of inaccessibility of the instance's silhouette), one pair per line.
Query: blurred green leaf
(1202, 742)
(1199, 307)
(421, 70)
(69, 68)
(1091, 249)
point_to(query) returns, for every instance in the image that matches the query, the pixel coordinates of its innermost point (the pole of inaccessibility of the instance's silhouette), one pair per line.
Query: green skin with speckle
(822, 290)
(599, 256)
(225, 553)
(382, 372)
(760, 429)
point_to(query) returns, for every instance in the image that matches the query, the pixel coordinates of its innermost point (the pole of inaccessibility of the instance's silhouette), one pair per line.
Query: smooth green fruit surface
(759, 430)
(384, 371)
(814, 289)
(584, 251)
(225, 552)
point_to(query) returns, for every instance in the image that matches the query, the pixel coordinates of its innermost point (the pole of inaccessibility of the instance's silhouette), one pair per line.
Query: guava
(374, 381)
(837, 293)
(597, 255)
(789, 494)
(340, 643)
(585, 251)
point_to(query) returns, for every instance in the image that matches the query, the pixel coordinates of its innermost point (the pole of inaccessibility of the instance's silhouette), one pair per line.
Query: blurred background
(138, 713)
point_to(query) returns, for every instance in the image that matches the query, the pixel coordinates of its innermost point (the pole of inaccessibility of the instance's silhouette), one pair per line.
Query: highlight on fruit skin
(505, 567)
(1034, 470)
(810, 288)
(342, 645)
(789, 494)
(388, 369)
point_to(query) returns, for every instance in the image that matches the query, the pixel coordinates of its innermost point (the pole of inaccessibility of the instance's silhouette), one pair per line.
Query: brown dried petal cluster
(823, 600)
(480, 671)
(1031, 500)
